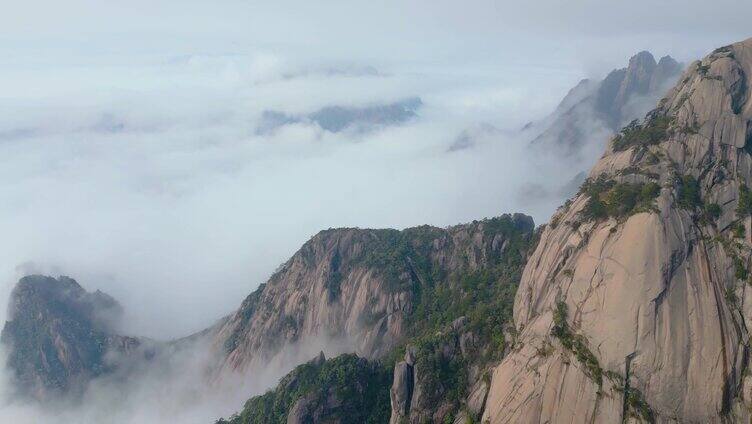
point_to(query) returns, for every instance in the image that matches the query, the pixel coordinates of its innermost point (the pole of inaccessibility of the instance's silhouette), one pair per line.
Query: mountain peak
(643, 58)
(667, 61)
(64, 294)
(623, 95)
(58, 334)
(638, 290)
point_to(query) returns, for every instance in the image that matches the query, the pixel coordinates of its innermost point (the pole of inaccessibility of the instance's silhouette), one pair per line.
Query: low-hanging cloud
(160, 192)
(180, 384)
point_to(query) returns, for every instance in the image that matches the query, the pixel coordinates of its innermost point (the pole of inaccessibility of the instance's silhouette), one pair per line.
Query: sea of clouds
(152, 182)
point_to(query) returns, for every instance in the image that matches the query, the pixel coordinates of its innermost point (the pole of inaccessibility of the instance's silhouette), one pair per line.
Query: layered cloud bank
(153, 184)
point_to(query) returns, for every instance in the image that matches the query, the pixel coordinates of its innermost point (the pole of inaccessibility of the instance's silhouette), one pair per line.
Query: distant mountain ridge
(625, 94)
(337, 118)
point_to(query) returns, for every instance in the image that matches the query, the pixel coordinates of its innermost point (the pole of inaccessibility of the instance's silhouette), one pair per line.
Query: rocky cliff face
(444, 376)
(635, 306)
(59, 336)
(364, 286)
(440, 298)
(593, 107)
(454, 289)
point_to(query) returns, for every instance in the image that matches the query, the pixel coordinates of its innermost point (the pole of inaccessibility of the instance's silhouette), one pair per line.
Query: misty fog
(159, 190)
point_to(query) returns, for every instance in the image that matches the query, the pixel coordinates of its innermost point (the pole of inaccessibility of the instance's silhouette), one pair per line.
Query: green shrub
(443, 378)
(576, 343)
(740, 269)
(652, 131)
(744, 208)
(611, 199)
(738, 230)
(713, 210)
(730, 296)
(638, 407)
(689, 192)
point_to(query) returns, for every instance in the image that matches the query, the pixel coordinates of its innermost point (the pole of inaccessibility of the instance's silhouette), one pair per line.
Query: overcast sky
(130, 160)
(397, 32)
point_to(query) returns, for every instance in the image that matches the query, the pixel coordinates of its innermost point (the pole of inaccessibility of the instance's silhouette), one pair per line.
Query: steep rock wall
(640, 313)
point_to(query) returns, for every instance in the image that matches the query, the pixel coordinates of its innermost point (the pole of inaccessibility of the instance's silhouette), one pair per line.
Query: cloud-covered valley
(152, 183)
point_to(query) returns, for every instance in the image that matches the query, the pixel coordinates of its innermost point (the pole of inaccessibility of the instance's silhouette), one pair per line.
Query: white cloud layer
(151, 183)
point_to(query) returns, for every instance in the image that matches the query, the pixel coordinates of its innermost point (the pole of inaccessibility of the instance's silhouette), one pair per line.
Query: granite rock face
(401, 392)
(419, 391)
(356, 285)
(631, 314)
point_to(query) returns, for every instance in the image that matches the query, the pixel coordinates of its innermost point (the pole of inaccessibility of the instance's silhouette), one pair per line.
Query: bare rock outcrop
(426, 382)
(401, 393)
(635, 305)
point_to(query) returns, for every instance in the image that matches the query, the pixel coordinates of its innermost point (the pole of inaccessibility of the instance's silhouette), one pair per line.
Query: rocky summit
(593, 108)
(634, 306)
(59, 336)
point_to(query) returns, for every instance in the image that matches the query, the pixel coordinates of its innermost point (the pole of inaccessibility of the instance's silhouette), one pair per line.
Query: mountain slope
(592, 109)
(346, 389)
(635, 304)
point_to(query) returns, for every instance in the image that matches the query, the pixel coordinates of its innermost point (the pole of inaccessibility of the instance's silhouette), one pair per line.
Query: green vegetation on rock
(343, 389)
(607, 198)
(54, 331)
(481, 298)
(744, 208)
(652, 131)
(689, 192)
(713, 210)
(637, 406)
(247, 309)
(576, 343)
